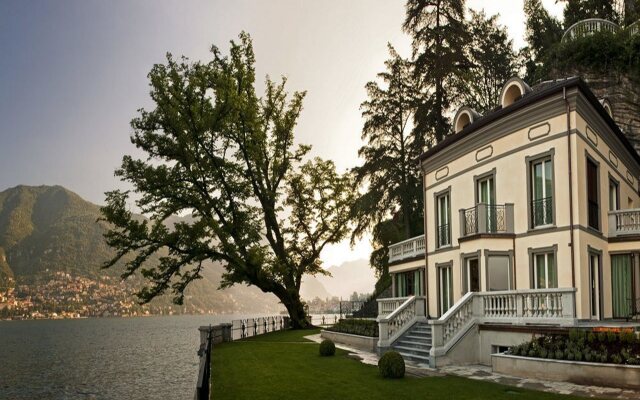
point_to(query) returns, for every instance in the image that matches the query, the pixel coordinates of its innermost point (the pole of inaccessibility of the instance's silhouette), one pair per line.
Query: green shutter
(621, 285)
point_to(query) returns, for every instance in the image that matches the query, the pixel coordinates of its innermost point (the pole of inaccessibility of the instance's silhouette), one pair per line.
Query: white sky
(73, 74)
(511, 15)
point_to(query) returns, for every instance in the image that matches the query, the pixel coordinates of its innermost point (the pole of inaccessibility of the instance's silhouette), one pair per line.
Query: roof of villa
(538, 92)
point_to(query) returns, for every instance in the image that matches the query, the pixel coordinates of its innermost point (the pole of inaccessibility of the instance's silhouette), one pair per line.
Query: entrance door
(594, 278)
(622, 285)
(473, 275)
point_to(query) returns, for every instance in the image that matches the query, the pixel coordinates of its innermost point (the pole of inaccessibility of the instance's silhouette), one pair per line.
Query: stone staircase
(414, 345)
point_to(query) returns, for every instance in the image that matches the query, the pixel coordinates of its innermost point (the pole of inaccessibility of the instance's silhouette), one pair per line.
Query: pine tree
(542, 32)
(578, 10)
(392, 205)
(439, 36)
(493, 61)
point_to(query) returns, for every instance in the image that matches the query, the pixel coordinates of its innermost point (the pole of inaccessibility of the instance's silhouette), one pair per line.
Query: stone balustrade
(516, 307)
(409, 248)
(393, 325)
(624, 222)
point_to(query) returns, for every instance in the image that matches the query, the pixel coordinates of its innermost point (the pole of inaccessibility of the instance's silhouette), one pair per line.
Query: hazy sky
(73, 74)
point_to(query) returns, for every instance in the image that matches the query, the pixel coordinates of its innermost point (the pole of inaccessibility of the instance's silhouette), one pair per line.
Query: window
(443, 218)
(498, 272)
(410, 283)
(592, 194)
(541, 190)
(471, 273)
(445, 288)
(486, 194)
(614, 195)
(545, 272)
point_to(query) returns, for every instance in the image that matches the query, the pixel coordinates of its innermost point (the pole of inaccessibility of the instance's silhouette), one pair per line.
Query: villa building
(532, 221)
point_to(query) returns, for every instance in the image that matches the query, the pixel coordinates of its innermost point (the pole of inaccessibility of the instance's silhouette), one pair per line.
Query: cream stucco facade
(488, 227)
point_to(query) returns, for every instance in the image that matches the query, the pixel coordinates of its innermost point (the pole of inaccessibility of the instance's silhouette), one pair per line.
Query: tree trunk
(296, 311)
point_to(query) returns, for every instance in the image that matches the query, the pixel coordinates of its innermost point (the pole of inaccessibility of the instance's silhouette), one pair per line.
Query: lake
(110, 358)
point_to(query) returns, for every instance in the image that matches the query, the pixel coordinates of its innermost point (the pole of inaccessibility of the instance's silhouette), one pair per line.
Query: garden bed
(582, 345)
(353, 326)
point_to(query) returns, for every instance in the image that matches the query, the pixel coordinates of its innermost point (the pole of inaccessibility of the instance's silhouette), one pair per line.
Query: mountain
(311, 288)
(47, 229)
(346, 278)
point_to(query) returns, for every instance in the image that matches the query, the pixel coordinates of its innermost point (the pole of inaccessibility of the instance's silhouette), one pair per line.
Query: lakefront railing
(392, 326)
(534, 306)
(407, 249)
(624, 222)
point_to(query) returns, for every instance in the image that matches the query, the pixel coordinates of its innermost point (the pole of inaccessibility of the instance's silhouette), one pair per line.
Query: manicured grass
(282, 365)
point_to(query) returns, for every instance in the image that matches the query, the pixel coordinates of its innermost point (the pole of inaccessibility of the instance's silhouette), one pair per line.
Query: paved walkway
(484, 373)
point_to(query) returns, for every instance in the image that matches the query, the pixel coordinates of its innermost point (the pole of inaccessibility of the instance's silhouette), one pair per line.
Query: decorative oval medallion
(442, 173)
(613, 158)
(591, 135)
(539, 131)
(484, 153)
(630, 178)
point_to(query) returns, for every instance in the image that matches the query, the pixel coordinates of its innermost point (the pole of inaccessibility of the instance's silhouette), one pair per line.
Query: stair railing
(516, 307)
(393, 325)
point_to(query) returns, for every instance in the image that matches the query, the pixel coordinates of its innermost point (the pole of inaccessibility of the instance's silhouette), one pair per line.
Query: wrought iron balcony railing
(542, 211)
(486, 218)
(624, 222)
(444, 235)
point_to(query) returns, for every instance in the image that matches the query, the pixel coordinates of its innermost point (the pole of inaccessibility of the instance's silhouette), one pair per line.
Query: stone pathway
(484, 373)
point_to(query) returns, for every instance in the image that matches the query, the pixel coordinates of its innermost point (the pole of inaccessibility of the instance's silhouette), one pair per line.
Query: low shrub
(391, 365)
(327, 348)
(361, 327)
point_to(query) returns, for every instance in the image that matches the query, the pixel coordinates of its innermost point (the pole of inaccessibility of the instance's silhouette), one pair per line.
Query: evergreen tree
(216, 150)
(439, 37)
(393, 198)
(492, 62)
(543, 31)
(578, 10)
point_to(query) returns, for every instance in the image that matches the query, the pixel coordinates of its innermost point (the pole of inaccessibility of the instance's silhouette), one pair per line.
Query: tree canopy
(217, 151)
(439, 36)
(389, 171)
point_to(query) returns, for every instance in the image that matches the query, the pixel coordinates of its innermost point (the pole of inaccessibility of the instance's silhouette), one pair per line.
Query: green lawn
(283, 365)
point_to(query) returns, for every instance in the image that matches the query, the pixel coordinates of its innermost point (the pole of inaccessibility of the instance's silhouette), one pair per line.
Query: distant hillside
(51, 228)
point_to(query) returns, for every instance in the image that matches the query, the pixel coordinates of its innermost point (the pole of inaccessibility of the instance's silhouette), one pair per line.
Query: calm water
(128, 358)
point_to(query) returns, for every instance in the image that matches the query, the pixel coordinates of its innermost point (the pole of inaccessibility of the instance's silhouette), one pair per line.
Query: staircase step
(411, 350)
(414, 358)
(412, 343)
(413, 336)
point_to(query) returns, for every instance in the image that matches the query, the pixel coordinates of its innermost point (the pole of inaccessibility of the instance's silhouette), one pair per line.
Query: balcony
(409, 248)
(486, 219)
(589, 27)
(624, 222)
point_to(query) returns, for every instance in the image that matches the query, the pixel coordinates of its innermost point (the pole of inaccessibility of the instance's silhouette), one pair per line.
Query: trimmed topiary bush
(391, 365)
(327, 348)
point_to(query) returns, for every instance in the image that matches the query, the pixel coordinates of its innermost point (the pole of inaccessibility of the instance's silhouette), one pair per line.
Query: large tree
(578, 10)
(439, 37)
(226, 156)
(492, 62)
(391, 206)
(543, 31)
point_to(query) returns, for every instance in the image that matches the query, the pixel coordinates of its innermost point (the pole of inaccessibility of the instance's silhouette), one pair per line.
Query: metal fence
(204, 372)
(248, 327)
